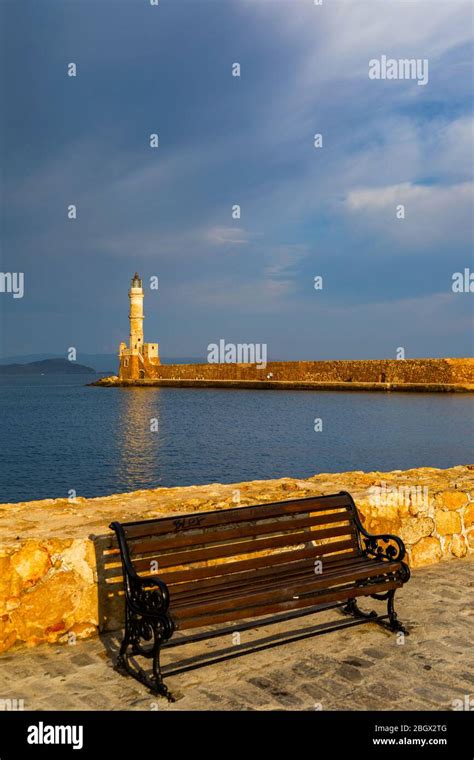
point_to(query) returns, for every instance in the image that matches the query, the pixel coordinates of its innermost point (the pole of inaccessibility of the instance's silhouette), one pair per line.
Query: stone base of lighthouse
(135, 365)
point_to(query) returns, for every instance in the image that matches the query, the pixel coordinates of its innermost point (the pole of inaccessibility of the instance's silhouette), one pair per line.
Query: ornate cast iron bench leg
(394, 623)
(138, 627)
(160, 630)
(121, 663)
(352, 608)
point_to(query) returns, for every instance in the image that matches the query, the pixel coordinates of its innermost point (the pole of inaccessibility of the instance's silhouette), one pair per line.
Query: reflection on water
(139, 439)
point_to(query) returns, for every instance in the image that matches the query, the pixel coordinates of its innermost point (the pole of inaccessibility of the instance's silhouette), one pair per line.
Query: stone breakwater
(53, 585)
(422, 375)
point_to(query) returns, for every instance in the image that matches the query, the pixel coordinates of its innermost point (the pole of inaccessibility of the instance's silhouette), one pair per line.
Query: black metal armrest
(142, 600)
(145, 600)
(154, 580)
(384, 546)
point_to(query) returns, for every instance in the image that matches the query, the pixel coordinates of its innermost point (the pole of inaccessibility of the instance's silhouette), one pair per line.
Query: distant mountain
(47, 367)
(100, 362)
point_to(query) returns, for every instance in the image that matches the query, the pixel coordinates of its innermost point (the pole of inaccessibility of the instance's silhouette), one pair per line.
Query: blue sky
(247, 141)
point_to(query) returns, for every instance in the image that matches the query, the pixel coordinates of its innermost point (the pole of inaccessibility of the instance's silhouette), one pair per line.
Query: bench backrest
(193, 547)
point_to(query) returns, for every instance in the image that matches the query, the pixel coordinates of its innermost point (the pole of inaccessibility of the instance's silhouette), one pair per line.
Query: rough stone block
(469, 515)
(31, 562)
(447, 523)
(451, 499)
(425, 552)
(459, 546)
(414, 528)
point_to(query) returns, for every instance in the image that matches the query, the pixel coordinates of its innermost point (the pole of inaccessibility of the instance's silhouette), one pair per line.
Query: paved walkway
(362, 668)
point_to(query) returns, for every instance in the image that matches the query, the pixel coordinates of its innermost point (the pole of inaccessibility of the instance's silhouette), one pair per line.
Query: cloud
(220, 235)
(448, 148)
(375, 330)
(270, 287)
(281, 261)
(255, 295)
(433, 214)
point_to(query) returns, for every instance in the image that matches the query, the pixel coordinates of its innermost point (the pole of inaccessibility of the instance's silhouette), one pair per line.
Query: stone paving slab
(361, 668)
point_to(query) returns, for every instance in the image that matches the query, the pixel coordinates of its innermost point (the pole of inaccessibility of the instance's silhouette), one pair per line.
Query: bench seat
(268, 593)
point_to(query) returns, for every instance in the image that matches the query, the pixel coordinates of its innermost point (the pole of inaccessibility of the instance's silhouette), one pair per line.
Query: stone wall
(377, 374)
(444, 371)
(53, 581)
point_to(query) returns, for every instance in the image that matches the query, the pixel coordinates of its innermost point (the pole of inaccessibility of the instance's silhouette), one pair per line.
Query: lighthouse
(139, 360)
(135, 315)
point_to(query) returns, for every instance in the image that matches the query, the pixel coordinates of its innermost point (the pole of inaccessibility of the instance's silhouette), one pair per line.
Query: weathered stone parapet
(52, 586)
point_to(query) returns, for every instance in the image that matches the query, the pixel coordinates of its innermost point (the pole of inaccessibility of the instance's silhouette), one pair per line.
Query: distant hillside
(107, 363)
(47, 367)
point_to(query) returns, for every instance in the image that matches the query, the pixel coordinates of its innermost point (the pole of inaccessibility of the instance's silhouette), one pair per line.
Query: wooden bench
(250, 566)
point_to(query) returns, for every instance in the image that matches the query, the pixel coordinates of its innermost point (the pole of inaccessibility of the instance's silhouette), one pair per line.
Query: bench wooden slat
(268, 560)
(113, 570)
(321, 597)
(243, 530)
(176, 559)
(183, 522)
(280, 592)
(224, 590)
(262, 576)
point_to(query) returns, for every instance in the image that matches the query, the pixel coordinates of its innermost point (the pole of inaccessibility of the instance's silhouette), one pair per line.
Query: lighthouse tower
(135, 316)
(139, 360)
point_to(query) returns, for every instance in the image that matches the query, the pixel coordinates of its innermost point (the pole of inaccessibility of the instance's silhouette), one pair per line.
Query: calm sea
(58, 435)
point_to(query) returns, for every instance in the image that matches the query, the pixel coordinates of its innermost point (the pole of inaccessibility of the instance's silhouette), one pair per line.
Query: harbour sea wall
(60, 575)
(431, 375)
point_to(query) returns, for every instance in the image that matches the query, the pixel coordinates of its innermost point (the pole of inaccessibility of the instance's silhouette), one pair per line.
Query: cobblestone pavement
(361, 668)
